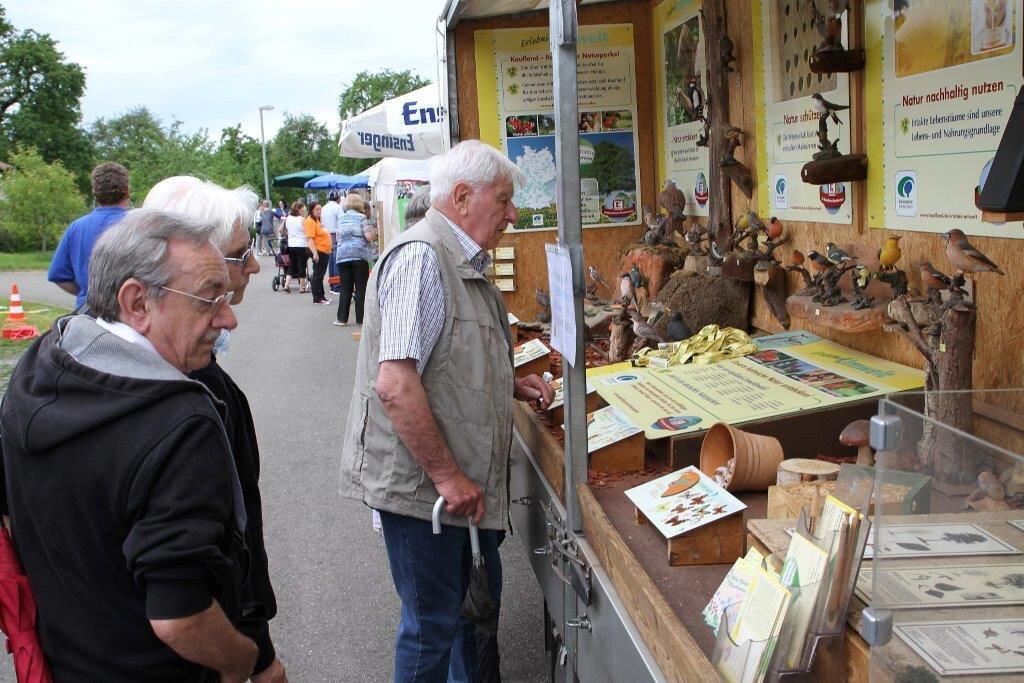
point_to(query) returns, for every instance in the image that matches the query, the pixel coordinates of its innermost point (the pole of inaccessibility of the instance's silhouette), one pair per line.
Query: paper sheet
(973, 585)
(563, 317)
(975, 648)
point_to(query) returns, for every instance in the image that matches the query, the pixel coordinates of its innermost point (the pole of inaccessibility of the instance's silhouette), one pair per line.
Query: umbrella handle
(474, 534)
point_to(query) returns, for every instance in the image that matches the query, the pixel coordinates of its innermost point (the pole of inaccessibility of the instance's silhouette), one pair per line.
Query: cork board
(794, 38)
(602, 248)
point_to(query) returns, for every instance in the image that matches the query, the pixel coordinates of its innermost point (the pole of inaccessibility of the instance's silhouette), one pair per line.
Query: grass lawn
(40, 316)
(30, 260)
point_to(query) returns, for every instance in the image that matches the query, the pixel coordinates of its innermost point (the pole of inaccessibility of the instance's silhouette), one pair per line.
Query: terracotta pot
(757, 457)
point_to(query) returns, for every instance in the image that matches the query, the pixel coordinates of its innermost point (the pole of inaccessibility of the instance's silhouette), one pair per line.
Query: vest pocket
(472, 446)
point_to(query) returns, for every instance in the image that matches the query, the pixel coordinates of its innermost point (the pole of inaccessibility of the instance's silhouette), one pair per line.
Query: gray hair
(417, 207)
(225, 209)
(136, 247)
(473, 162)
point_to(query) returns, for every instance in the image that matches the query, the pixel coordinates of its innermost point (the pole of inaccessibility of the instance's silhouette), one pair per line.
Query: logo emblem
(906, 193)
(781, 192)
(700, 189)
(832, 196)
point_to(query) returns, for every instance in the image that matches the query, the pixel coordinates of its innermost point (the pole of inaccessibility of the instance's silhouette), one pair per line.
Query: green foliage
(302, 143)
(40, 95)
(613, 168)
(26, 260)
(37, 201)
(368, 90)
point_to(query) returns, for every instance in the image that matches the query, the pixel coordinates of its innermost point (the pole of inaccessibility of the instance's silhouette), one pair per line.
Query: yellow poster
(951, 70)
(790, 125)
(790, 372)
(680, 78)
(515, 95)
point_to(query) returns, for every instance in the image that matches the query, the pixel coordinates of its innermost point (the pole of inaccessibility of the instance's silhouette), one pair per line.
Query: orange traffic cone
(15, 313)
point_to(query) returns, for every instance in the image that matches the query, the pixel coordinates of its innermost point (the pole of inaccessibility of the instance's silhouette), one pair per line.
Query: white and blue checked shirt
(411, 298)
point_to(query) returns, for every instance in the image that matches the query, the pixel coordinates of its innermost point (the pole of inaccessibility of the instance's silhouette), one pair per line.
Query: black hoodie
(122, 495)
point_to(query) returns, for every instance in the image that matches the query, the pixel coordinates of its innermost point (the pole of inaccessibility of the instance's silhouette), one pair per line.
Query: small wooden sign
(505, 284)
(504, 269)
(505, 253)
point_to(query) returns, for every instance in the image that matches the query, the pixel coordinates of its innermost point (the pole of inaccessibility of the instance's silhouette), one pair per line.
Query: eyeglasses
(212, 305)
(242, 260)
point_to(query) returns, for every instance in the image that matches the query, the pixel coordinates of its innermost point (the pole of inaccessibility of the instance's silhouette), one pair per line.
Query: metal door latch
(525, 500)
(886, 432)
(876, 626)
(583, 622)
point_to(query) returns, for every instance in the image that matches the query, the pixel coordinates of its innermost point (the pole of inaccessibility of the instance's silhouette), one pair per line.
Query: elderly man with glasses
(124, 502)
(229, 212)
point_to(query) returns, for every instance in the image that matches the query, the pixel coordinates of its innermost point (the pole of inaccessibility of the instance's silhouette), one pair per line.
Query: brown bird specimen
(626, 290)
(934, 278)
(672, 199)
(965, 257)
(643, 329)
(818, 262)
(775, 228)
(797, 258)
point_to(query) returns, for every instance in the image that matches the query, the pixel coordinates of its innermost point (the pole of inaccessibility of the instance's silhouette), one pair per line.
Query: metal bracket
(886, 432)
(583, 622)
(562, 546)
(876, 626)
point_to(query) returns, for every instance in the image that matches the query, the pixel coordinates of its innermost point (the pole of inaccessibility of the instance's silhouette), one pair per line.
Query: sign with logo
(700, 190)
(905, 185)
(832, 196)
(781, 192)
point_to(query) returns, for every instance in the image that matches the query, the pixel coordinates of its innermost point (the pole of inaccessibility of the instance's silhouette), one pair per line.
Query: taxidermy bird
(626, 290)
(639, 281)
(694, 236)
(835, 254)
(797, 258)
(654, 312)
(934, 278)
(595, 276)
(863, 276)
(818, 262)
(732, 134)
(716, 252)
(672, 199)
(826, 108)
(678, 330)
(775, 228)
(544, 301)
(726, 54)
(696, 97)
(890, 252)
(965, 257)
(642, 329)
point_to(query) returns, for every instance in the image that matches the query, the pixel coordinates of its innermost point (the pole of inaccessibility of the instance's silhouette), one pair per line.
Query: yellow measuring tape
(711, 345)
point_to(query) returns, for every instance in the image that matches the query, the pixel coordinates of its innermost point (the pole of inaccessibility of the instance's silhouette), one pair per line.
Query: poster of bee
(974, 585)
(683, 501)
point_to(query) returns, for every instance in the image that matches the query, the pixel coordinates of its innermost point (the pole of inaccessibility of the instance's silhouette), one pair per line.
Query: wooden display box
(594, 402)
(622, 456)
(904, 493)
(537, 366)
(720, 542)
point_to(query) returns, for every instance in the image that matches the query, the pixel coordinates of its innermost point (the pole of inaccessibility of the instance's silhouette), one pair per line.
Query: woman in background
(353, 256)
(319, 242)
(296, 233)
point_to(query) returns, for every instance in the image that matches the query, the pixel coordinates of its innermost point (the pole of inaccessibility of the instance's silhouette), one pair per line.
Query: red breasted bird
(774, 228)
(818, 262)
(796, 258)
(934, 278)
(965, 257)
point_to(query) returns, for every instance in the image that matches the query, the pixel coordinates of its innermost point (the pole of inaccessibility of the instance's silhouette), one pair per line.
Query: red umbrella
(18, 617)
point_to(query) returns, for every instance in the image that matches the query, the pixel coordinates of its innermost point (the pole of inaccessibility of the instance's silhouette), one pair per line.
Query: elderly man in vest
(431, 413)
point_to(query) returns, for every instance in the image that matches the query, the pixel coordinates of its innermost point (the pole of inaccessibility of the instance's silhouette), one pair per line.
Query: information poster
(516, 102)
(791, 372)
(950, 70)
(680, 64)
(976, 647)
(966, 585)
(790, 125)
(683, 501)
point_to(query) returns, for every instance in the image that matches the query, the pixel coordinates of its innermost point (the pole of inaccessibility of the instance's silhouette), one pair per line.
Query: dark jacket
(123, 501)
(259, 604)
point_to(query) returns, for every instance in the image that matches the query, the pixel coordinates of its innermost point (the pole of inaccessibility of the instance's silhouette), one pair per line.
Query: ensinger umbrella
(336, 181)
(410, 126)
(18, 617)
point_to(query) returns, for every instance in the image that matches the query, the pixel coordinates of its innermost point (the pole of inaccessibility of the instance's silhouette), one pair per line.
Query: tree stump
(772, 283)
(656, 263)
(620, 341)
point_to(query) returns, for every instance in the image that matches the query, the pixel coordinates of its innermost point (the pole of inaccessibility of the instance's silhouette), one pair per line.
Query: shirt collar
(126, 332)
(478, 258)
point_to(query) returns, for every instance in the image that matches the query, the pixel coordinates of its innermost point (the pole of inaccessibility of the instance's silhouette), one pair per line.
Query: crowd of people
(159, 538)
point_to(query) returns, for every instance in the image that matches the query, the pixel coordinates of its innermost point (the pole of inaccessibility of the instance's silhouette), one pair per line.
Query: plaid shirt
(411, 297)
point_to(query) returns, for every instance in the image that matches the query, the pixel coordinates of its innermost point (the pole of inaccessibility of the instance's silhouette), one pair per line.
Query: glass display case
(943, 574)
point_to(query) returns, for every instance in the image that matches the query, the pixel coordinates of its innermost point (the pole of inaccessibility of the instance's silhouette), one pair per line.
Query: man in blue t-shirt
(69, 269)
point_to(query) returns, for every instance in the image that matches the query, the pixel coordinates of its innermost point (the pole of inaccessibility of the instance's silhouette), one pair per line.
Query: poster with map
(516, 102)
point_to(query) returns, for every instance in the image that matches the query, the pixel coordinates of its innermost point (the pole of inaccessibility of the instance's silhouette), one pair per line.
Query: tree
(37, 201)
(40, 94)
(368, 90)
(302, 143)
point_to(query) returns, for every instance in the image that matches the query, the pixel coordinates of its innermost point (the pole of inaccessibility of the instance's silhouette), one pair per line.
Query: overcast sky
(212, 63)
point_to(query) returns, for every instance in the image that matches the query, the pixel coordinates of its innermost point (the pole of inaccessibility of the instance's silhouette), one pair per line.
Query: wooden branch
(717, 107)
(913, 331)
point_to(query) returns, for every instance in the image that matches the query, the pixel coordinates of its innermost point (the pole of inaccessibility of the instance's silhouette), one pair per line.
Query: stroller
(281, 260)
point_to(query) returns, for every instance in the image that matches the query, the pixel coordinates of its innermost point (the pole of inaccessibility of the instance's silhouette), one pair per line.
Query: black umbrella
(479, 607)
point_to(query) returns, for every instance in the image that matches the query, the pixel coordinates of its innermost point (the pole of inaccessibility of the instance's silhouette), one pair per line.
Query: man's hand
(272, 674)
(463, 497)
(532, 388)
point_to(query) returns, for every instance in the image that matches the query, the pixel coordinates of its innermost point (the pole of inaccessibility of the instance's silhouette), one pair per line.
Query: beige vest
(469, 383)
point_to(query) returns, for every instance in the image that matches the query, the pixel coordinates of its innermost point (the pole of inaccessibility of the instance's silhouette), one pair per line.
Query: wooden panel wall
(602, 246)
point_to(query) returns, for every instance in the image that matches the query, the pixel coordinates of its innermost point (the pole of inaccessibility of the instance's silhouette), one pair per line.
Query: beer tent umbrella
(18, 617)
(410, 126)
(336, 181)
(297, 179)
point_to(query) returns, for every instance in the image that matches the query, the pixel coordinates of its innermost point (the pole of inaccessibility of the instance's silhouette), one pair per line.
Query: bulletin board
(680, 56)
(516, 104)
(789, 126)
(950, 72)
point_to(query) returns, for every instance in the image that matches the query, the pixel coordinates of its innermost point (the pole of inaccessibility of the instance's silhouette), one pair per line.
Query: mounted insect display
(831, 56)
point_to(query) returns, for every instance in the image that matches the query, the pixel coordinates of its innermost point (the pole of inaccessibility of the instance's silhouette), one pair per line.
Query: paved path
(337, 607)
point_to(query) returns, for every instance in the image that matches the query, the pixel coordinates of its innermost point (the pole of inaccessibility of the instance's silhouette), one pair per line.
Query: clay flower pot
(757, 457)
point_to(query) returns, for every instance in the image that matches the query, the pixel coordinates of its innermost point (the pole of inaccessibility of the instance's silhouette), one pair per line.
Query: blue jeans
(431, 574)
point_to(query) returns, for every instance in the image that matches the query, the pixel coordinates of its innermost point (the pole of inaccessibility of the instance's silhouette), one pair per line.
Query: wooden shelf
(842, 318)
(1000, 217)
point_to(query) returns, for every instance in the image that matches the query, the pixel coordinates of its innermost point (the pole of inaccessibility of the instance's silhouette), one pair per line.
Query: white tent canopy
(385, 177)
(410, 126)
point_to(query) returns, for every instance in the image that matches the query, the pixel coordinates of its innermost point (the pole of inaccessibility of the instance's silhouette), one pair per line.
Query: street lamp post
(263, 146)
